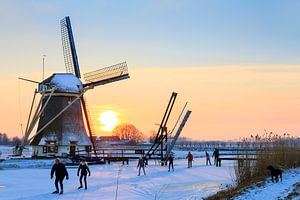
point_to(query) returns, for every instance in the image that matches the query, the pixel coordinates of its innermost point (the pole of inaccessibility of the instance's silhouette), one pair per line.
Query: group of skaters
(143, 161)
(61, 173)
(215, 154)
(170, 160)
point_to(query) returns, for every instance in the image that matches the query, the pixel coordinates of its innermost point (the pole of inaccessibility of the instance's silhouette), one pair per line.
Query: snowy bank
(286, 189)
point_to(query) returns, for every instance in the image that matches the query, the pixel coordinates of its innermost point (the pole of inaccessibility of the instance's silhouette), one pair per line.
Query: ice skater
(207, 158)
(216, 155)
(60, 173)
(190, 159)
(171, 162)
(141, 165)
(84, 169)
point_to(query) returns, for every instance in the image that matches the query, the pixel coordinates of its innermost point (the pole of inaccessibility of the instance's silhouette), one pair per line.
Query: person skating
(141, 165)
(60, 173)
(171, 162)
(216, 156)
(190, 159)
(84, 169)
(207, 158)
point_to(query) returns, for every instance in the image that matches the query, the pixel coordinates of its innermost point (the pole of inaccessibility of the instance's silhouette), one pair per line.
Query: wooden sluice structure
(112, 154)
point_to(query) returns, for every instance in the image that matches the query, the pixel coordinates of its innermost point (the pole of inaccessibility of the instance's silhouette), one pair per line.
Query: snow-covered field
(184, 183)
(30, 179)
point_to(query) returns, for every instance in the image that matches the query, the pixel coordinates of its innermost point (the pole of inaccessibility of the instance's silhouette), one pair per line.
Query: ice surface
(30, 179)
(184, 183)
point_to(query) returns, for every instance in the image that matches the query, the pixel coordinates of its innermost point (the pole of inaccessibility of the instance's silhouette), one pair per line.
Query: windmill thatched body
(66, 135)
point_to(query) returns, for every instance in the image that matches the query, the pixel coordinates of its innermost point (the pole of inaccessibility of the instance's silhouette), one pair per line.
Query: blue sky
(151, 33)
(169, 46)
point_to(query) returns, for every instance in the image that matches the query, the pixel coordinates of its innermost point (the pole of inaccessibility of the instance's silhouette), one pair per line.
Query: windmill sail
(69, 50)
(106, 75)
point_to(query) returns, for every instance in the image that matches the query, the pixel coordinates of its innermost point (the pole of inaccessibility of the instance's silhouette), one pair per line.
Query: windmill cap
(64, 82)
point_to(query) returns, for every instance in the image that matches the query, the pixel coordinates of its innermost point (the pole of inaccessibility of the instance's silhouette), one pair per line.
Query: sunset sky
(235, 62)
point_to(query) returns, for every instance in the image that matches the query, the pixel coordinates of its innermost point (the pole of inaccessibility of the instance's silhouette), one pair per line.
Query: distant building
(109, 141)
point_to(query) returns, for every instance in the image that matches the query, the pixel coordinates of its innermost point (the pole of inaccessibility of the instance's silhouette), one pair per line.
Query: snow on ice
(184, 183)
(30, 179)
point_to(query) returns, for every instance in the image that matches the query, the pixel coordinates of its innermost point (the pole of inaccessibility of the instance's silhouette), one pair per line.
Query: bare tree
(128, 132)
(5, 140)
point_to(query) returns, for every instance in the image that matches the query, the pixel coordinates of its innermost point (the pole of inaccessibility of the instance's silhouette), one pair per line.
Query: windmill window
(51, 142)
(88, 148)
(52, 149)
(69, 100)
(73, 142)
(44, 149)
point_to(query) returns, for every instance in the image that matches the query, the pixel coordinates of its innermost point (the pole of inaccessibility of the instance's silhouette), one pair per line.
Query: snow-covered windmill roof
(64, 82)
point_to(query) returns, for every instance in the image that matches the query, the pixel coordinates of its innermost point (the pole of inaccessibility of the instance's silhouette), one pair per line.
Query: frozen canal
(184, 183)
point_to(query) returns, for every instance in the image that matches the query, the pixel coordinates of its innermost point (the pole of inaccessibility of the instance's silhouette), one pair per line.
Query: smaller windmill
(62, 111)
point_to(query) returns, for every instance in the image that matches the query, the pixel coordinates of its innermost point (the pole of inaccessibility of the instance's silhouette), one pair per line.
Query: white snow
(184, 183)
(271, 190)
(66, 83)
(30, 179)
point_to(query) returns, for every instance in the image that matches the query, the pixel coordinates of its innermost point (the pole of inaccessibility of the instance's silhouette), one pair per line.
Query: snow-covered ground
(289, 188)
(184, 183)
(30, 179)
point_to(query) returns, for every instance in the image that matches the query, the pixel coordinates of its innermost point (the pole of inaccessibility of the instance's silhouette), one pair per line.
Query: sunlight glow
(108, 120)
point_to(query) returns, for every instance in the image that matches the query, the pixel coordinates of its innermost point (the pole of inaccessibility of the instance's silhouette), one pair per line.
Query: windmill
(62, 108)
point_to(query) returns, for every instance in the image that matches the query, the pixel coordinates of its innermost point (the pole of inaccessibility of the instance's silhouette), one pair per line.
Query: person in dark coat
(141, 165)
(207, 158)
(171, 161)
(83, 167)
(60, 173)
(190, 159)
(216, 155)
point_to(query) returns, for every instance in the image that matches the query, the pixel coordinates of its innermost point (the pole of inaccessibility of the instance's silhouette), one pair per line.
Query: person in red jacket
(190, 159)
(207, 158)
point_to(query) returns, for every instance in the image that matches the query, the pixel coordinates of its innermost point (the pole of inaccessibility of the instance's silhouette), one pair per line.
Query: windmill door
(72, 151)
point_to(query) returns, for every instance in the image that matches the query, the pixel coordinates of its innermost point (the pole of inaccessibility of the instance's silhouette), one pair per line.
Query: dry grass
(271, 149)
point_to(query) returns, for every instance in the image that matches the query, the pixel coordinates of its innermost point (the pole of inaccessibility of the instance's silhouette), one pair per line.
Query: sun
(108, 120)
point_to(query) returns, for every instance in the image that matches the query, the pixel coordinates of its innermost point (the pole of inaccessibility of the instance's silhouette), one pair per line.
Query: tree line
(5, 140)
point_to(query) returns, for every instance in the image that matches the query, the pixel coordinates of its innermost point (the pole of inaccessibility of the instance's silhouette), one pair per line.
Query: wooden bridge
(111, 154)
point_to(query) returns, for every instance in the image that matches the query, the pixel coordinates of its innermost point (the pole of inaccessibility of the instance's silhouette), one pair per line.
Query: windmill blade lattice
(70, 56)
(107, 73)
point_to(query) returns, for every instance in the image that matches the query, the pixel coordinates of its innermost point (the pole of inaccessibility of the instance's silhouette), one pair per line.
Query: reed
(281, 151)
